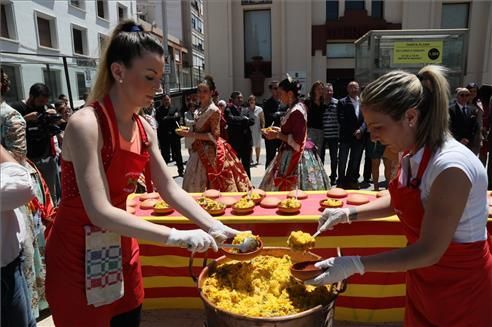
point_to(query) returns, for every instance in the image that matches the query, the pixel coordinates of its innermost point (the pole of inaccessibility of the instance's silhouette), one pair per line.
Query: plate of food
(255, 195)
(148, 204)
(331, 203)
(182, 129)
(290, 205)
(243, 206)
(162, 208)
(228, 201)
(270, 202)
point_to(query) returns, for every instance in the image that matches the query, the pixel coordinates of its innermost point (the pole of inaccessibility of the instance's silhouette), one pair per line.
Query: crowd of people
(64, 182)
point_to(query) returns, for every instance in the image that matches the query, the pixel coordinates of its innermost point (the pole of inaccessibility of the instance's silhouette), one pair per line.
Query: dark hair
(313, 87)
(59, 103)
(209, 82)
(272, 83)
(472, 85)
(235, 94)
(128, 41)
(290, 84)
(39, 90)
(61, 96)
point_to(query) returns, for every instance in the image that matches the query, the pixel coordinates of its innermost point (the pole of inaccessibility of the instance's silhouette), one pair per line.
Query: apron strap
(105, 128)
(112, 120)
(415, 182)
(145, 141)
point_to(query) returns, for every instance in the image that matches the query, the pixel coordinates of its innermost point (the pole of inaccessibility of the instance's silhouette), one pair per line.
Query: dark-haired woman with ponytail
(212, 163)
(440, 197)
(297, 164)
(94, 276)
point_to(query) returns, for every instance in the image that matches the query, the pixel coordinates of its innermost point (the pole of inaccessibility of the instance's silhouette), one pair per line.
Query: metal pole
(67, 77)
(164, 45)
(50, 82)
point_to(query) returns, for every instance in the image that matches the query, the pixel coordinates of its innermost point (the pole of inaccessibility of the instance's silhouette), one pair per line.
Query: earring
(410, 125)
(121, 81)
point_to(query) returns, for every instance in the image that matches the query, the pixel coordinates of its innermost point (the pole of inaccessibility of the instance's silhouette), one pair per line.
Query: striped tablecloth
(374, 297)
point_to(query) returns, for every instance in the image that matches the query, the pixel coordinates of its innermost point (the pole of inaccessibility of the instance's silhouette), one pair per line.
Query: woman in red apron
(440, 196)
(93, 269)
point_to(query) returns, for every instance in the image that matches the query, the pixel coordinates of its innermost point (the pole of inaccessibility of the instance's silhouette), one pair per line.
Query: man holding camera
(42, 124)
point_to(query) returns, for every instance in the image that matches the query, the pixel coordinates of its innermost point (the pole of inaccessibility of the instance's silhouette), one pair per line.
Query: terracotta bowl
(322, 205)
(148, 204)
(228, 201)
(163, 211)
(337, 193)
(147, 196)
(217, 212)
(289, 210)
(305, 270)
(357, 199)
(242, 211)
(256, 201)
(301, 195)
(241, 256)
(270, 202)
(211, 194)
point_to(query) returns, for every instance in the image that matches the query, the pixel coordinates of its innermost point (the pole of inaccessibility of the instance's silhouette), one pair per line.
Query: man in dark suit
(273, 110)
(167, 119)
(463, 120)
(238, 121)
(352, 128)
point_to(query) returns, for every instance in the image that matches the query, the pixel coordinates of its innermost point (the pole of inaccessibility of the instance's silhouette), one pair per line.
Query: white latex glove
(337, 269)
(332, 217)
(195, 240)
(221, 232)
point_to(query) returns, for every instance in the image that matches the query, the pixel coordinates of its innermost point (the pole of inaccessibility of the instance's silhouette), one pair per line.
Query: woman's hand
(331, 217)
(195, 240)
(336, 269)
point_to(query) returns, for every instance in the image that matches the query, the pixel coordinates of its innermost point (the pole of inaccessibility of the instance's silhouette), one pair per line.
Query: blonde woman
(92, 256)
(440, 196)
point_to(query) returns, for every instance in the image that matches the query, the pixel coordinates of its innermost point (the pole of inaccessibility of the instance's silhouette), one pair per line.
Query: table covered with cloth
(373, 297)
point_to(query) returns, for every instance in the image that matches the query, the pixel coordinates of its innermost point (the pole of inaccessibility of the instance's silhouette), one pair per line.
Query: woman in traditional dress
(297, 164)
(212, 163)
(440, 197)
(94, 276)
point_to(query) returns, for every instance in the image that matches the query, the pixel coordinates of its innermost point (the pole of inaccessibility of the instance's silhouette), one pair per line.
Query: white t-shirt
(472, 224)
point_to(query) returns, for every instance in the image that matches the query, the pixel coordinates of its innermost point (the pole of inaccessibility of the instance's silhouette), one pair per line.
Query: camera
(46, 125)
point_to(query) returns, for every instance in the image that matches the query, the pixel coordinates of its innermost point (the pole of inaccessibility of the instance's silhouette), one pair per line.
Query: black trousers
(127, 319)
(332, 146)
(271, 150)
(348, 174)
(170, 143)
(243, 152)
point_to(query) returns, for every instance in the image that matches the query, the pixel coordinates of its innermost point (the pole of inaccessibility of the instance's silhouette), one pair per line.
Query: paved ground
(195, 318)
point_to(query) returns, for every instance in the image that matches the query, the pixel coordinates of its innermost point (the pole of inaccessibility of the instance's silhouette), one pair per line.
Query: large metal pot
(321, 316)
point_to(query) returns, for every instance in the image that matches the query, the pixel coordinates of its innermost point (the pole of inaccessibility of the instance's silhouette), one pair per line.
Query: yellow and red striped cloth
(374, 297)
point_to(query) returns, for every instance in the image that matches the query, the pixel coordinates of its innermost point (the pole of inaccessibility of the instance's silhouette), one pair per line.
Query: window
(340, 50)
(455, 15)
(46, 28)
(15, 92)
(7, 22)
(331, 10)
(198, 62)
(257, 42)
(377, 9)
(355, 5)
(197, 23)
(79, 38)
(53, 81)
(81, 88)
(102, 9)
(197, 42)
(122, 12)
(78, 4)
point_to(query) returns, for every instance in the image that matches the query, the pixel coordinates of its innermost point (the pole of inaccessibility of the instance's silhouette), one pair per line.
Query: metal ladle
(248, 245)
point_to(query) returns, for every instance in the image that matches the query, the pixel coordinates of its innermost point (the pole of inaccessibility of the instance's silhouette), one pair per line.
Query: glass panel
(454, 15)
(78, 45)
(340, 50)
(13, 75)
(257, 35)
(44, 32)
(331, 10)
(355, 5)
(101, 12)
(377, 9)
(4, 22)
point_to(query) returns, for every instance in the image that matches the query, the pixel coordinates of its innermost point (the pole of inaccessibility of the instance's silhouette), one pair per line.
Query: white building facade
(36, 35)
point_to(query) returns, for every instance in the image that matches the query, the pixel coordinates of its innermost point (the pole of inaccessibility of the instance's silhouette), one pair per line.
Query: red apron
(65, 248)
(456, 291)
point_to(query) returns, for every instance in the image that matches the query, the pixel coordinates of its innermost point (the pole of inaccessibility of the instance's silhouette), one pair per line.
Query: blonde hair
(428, 91)
(127, 42)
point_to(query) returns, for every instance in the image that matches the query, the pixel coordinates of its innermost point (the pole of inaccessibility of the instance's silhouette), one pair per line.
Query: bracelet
(352, 214)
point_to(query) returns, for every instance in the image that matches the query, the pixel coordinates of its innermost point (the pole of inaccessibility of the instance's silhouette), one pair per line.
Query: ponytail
(127, 42)
(428, 91)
